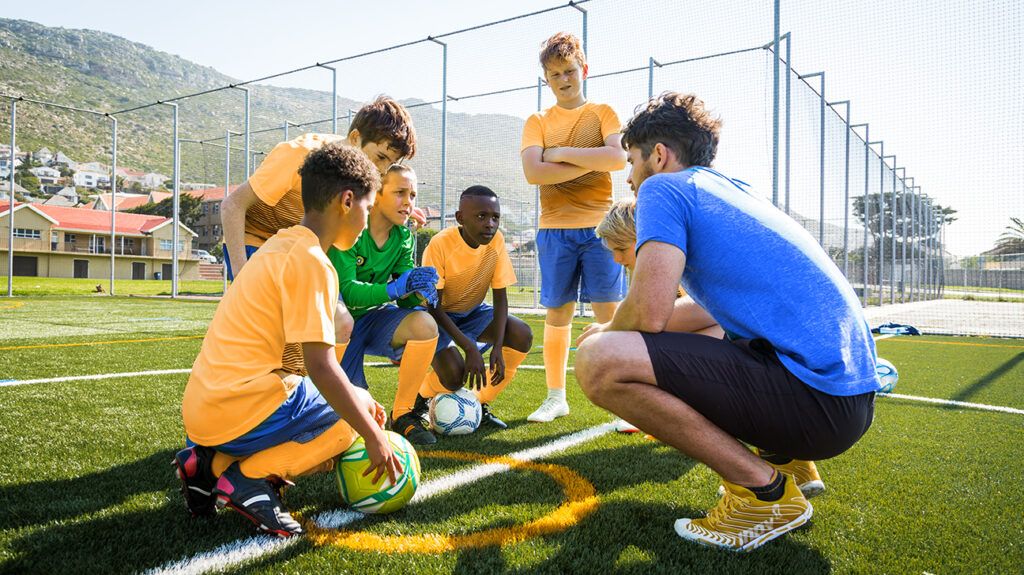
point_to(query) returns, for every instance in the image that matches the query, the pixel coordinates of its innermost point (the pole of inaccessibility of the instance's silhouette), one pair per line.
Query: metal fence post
(864, 209)
(846, 190)
(775, 103)
(583, 11)
(892, 229)
(113, 201)
(334, 96)
(227, 185)
(10, 208)
(903, 259)
(651, 63)
(176, 202)
(536, 215)
(821, 157)
(444, 126)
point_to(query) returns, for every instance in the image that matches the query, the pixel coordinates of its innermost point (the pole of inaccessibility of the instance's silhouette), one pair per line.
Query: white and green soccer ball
(361, 494)
(887, 375)
(455, 413)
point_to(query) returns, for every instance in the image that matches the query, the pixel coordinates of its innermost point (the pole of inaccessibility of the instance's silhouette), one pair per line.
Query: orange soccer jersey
(583, 202)
(279, 188)
(287, 294)
(466, 273)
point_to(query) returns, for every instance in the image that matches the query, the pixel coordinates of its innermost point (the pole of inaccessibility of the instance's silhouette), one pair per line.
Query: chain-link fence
(819, 157)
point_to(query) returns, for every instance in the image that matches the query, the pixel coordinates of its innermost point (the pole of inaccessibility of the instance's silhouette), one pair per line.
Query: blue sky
(940, 81)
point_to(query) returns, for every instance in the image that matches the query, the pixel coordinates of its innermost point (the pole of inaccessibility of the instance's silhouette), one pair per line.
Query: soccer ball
(455, 413)
(361, 493)
(887, 375)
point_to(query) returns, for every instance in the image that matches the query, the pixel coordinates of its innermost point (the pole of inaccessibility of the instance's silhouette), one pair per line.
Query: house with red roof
(55, 241)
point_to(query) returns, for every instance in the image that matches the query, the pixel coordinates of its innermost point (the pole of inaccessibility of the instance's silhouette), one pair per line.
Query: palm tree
(1012, 240)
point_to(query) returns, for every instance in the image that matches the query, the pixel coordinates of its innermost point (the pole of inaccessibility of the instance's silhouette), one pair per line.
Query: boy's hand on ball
(476, 372)
(382, 458)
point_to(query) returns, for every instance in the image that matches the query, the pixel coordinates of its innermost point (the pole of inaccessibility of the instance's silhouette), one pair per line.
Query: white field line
(950, 402)
(937, 401)
(236, 552)
(886, 336)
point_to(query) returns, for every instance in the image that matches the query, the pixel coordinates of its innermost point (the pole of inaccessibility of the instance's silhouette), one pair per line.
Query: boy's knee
(592, 372)
(450, 369)
(422, 326)
(520, 336)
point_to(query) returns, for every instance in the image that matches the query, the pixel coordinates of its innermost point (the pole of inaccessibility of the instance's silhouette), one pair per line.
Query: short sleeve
(610, 123)
(533, 133)
(664, 208)
(279, 172)
(433, 255)
(504, 274)
(309, 296)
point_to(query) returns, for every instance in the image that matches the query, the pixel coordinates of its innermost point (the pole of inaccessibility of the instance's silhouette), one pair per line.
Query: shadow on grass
(106, 522)
(988, 379)
(634, 537)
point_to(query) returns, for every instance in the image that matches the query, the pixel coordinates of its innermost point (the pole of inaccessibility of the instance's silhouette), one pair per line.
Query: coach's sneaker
(413, 428)
(193, 467)
(742, 522)
(258, 500)
(550, 409)
(489, 419)
(806, 475)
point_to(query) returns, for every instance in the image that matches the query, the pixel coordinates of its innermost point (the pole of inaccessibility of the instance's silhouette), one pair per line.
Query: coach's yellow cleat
(806, 475)
(742, 522)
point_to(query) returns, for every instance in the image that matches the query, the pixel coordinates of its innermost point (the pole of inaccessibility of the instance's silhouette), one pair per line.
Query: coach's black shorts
(743, 388)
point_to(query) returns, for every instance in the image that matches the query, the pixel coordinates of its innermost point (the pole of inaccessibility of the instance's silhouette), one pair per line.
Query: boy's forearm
(359, 294)
(601, 159)
(500, 297)
(550, 173)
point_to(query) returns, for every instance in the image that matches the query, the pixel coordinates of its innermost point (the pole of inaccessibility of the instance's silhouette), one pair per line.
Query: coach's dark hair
(679, 122)
(386, 121)
(483, 191)
(332, 169)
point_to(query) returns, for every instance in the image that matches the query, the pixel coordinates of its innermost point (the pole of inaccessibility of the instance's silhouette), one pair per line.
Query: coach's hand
(591, 330)
(476, 371)
(382, 458)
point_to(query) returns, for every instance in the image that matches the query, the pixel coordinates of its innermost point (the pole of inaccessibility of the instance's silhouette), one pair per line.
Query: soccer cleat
(549, 410)
(421, 408)
(258, 500)
(623, 426)
(805, 473)
(414, 429)
(193, 467)
(489, 419)
(742, 522)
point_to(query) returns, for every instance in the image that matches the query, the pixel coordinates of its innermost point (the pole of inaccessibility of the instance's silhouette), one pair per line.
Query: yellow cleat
(742, 522)
(805, 473)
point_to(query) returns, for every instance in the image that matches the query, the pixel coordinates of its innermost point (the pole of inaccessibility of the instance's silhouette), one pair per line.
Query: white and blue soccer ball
(455, 413)
(887, 375)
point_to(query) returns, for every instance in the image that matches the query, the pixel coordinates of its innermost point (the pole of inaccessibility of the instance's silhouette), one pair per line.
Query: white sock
(558, 394)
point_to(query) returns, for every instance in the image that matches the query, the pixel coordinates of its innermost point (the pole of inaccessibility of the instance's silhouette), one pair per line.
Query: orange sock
(556, 354)
(431, 385)
(339, 351)
(291, 459)
(415, 362)
(512, 360)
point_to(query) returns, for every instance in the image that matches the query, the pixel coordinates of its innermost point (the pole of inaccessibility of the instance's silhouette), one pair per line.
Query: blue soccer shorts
(472, 323)
(574, 264)
(372, 335)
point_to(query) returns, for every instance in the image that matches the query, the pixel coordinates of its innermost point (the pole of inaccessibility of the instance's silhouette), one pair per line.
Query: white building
(91, 180)
(46, 175)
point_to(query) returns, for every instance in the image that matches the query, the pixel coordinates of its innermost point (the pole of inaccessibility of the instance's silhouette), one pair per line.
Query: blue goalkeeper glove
(423, 280)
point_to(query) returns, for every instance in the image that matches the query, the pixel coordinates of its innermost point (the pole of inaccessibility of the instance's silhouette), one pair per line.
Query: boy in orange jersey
(569, 150)
(252, 425)
(470, 259)
(271, 199)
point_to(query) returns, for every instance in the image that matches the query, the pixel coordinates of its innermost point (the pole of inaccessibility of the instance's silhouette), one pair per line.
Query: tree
(190, 209)
(27, 180)
(1012, 240)
(917, 225)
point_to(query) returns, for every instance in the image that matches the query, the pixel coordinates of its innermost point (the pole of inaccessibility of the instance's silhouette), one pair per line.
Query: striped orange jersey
(466, 273)
(278, 188)
(583, 202)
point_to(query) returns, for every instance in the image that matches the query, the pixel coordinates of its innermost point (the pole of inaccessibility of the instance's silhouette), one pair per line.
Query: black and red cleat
(258, 500)
(193, 467)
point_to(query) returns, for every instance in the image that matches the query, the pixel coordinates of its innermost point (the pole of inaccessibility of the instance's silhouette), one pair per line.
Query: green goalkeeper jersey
(364, 270)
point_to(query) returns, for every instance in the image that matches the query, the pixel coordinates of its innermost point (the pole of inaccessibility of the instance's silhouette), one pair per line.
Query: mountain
(101, 71)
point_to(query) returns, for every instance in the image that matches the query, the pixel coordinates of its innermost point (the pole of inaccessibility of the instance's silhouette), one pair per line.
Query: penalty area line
(244, 550)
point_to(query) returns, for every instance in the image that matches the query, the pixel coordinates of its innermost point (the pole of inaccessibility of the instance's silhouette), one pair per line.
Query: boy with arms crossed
(568, 151)
(376, 271)
(254, 425)
(469, 259)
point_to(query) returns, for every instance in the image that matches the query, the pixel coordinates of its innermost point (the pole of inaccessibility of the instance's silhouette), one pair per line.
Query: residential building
(46, 175)
(44, 156)
(209, 229)
(91, 180)
(61, 160)
(53, 241)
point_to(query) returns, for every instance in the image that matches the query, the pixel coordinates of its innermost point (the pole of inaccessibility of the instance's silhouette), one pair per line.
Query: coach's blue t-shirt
(761, 275)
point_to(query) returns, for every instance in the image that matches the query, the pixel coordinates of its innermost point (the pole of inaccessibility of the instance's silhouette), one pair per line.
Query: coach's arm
(232, 217)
